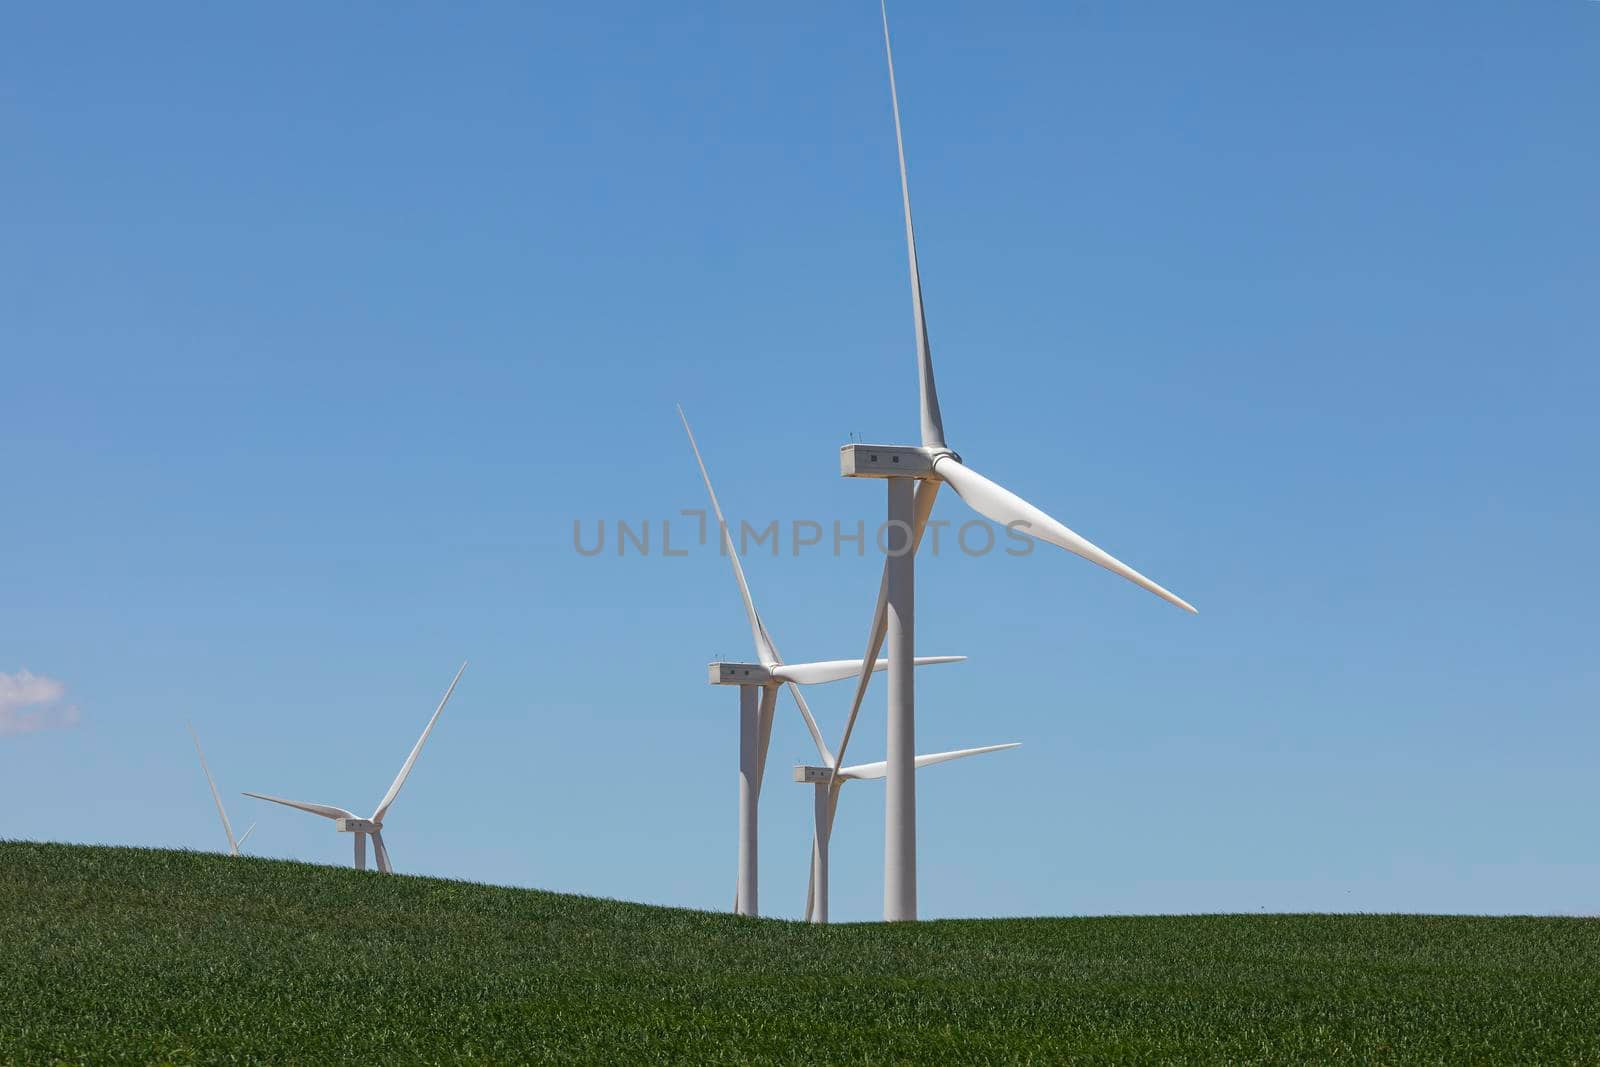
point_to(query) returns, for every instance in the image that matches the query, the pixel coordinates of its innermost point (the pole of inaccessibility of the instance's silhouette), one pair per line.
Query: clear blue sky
(319, 328)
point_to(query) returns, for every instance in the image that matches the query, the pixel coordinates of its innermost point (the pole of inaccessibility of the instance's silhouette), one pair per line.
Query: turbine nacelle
(739, 674)
(357, 826)
(890, 461)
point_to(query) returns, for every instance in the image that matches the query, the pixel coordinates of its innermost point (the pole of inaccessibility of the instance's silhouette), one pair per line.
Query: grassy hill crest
(143, 955)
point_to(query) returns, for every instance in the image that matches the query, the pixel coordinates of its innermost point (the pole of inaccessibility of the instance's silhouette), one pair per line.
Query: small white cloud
(30, 702)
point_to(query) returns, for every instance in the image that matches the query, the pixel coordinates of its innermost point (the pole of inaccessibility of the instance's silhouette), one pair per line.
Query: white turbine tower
(758, 684)
(914, 474)
(227, 827)
(825, 804)
(348, 822)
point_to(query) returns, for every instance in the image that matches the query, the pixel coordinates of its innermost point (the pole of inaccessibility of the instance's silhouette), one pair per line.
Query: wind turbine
(758, 684)
(347, 822)
(914, 474)
(227, 827)
(825, 804)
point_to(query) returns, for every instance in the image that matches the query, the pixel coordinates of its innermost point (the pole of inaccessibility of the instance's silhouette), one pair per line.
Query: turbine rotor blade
(932, 424)
(247, 834)
(227, 827)
(922, 507)
(405, 769)
(327, 811)
(834, 670)
(867, 771)
(765, 649)
(811, 724)
(764, 717)
(380, 853)
(994, 501)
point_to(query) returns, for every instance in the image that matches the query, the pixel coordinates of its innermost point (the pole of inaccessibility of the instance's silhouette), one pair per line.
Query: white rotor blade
(247, 834)
(878, 770)
(811, 879)
(764, 716)
(996, 502)
(922, 507)
(400, 779)
(811, 725)
(327, 811)
(380, 854)
(834, 670)
(932, 424)
(765, 651)
(227, 827)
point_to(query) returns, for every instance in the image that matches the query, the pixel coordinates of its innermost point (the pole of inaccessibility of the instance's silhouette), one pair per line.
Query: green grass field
(133, 955)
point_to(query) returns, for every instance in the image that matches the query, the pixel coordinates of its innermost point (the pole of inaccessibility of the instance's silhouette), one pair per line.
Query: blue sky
(320, 328)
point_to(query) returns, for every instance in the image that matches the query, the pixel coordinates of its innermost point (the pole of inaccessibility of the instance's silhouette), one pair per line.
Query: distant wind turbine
(825, 805)
(347, 822)
(227, 827)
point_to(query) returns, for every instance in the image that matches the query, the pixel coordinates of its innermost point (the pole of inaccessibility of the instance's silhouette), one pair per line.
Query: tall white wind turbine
(227, 827)
(348, 822)
(758, 685)
(914, 474)
(826, 786)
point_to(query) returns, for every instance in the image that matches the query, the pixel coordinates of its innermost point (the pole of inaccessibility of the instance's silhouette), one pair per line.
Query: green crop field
(141, 956)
